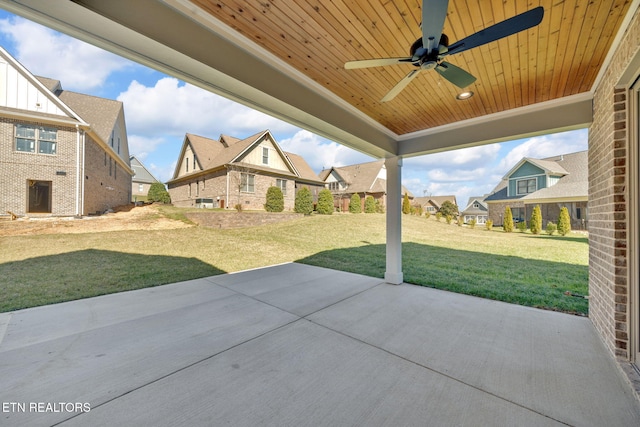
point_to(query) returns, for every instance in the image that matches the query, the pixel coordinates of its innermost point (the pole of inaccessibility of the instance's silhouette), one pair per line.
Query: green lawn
(519, 268)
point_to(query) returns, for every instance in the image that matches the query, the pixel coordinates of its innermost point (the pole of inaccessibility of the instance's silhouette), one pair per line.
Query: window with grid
(36, 139)
(247, 182)
(265, 155)
(282, 185)
(526, 186)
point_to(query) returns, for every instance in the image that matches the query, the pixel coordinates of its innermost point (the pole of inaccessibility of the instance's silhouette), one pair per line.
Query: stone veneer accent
(608, 209)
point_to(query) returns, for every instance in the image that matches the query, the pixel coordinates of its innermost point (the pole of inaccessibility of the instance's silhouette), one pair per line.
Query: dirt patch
(124, 218)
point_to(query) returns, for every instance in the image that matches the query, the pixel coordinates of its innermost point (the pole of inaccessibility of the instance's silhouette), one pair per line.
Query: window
(265, 155)
(247, 182)
(118, 145)
(186, 164)
(36, 139)
(110, 166)
(476, 205)
(526, 186)
(282, 185)
(334, 186)
(140, 188)
(194, 162)
(518, 214)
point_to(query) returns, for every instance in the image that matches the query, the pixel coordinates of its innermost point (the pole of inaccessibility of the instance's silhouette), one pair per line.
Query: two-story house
(141, 180)
(62, 153)
(364, 179)
(231, 171)
(551, 183)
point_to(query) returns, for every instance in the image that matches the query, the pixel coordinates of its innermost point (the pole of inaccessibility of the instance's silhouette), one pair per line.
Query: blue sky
(160, 109)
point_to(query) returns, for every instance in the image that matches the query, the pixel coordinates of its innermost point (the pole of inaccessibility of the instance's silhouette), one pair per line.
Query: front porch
(299, 345)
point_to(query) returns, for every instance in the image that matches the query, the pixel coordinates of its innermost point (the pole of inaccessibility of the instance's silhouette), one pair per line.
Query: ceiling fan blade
(366, 63)
(434, 13)
(506, 28)
(455, 75)
(400, 85)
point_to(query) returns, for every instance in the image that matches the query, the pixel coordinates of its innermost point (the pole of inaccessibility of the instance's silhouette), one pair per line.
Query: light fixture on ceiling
(464, 95)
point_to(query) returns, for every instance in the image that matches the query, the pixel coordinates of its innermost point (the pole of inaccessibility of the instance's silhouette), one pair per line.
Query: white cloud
(174, 108)
(464, 158)
(44, 52)
(321, 153)
(163, 172)
(141, 146)
(540, 147)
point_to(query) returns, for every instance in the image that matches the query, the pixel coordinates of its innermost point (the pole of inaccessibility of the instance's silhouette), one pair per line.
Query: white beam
(393, 273)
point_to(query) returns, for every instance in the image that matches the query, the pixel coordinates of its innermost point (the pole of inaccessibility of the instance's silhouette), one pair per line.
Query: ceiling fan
(429, 51)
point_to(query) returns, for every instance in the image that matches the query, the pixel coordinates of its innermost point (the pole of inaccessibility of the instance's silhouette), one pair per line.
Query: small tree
(448, 208)
(507, 222)
(379, 207)
(438, 216)
(551, 228)
(325, 202)
(369, 204)
(564, 222)
(522, 226)
(406, 205)
(460, 221)
(427, 214)
(275, 200)
(158, 193)
(473, 223)
(355, 204)
(536, 220)
(304, 201)
(488, 225)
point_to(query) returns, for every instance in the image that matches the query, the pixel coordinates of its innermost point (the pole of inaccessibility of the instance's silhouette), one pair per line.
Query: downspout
(83, 172)
(78, 174)
(226, 196)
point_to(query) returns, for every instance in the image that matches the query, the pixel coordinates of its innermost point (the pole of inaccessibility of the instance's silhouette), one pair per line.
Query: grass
(520, 268)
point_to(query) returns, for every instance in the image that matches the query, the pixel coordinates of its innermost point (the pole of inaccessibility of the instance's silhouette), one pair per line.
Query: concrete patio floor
(295, 345)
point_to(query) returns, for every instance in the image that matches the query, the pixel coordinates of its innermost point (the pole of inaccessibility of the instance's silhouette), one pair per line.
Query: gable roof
(436, 201)
(469, 209)
(572, 186)
(214, 154)
(547, 165)
(141, 173)
(361, 177)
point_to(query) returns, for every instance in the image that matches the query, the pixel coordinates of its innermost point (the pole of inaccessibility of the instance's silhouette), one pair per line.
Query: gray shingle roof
(141, 173)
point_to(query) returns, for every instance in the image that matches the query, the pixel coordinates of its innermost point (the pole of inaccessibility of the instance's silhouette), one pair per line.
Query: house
(230, 171)
(63, 153)
(432, 204)
(141, 180)
(551, 183)
(476, 209)
(364, 179)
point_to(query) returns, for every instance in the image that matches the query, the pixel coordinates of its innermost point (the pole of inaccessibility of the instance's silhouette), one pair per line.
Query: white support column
(393, 274)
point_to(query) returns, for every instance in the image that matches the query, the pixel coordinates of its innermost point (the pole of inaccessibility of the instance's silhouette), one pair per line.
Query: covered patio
(579, 68)
(299, 345)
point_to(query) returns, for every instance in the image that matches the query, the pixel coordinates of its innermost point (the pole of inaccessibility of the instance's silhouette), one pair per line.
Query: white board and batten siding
(16, 91)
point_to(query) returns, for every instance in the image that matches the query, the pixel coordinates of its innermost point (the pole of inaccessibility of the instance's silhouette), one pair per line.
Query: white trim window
(36, 139)
(282, 185)
(247, 182)
(265, 155)
(526, 186)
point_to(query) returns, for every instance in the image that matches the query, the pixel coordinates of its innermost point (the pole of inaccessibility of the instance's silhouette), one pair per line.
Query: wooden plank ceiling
(560, 57)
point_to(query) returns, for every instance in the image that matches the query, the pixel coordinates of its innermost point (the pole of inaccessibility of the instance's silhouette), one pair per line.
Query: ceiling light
(464, 95)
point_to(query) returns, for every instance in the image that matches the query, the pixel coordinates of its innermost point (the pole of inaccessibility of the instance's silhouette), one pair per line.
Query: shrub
(472, 223)
(448, 218)
(238, 207)
(304, 201)
(417, 210)
(507, 223)
(551, 228)
(448, 208)
(488, 225)
(460, 221)
(379, 207)
(325, 202)
(369, 205)
(564, 222)
(536, 220)
(438, 216)
(158, 193)
(427, 214)
(275, 200)
(354, 204)
(406, 205)
(522, 226)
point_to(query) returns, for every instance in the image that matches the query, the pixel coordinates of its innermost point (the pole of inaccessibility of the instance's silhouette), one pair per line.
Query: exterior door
(39, 196)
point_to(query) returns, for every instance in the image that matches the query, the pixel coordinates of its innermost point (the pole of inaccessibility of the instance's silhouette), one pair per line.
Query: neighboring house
(432, 204)
(141, 180)
(476, 209)
(364, 179)
(62, 153)
(551, 183)
(231, 171)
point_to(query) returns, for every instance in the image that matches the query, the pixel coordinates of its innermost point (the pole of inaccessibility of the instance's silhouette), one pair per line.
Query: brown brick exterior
(608, 219)
(17, 169)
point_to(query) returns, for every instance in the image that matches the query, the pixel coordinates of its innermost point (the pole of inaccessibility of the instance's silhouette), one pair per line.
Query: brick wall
(107, 184)
(608, 285)
(18, 168)
(210, 186)
(496, 210)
